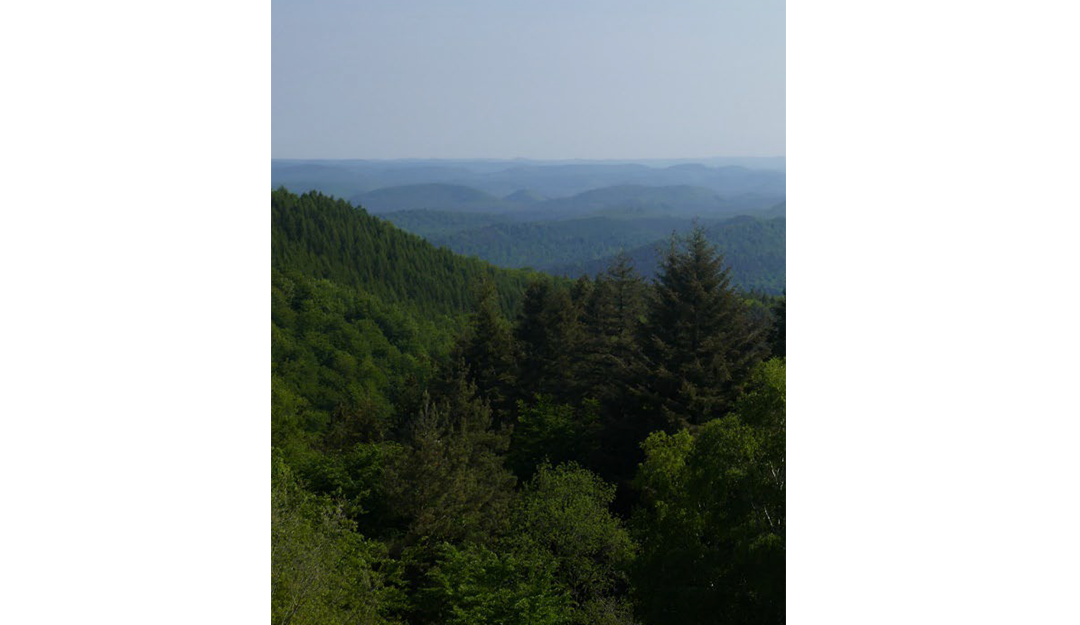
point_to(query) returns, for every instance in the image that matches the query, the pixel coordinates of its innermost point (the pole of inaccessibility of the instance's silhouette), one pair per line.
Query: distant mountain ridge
(554, 179)
(543, 245)
(631, 200)
(436, 195)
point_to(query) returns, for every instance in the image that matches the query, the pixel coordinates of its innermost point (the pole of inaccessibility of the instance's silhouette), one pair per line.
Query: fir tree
(699, 344)
(487, 352)
(612, 315)
(548, 334)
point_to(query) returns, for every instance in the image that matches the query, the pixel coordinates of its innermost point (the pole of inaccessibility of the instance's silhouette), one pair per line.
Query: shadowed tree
(487, 352)
(548, 335)
(712, 519)
(698, 342)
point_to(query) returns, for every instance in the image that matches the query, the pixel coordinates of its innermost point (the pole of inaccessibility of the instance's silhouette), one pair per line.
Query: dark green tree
(564, 512)
(699, 344)
(322, 570)
(778, 331)
(612, 313)
(548, 335)
(549, 432)
(712, 519)
(451, 483)
(487, 352)
(475, 585)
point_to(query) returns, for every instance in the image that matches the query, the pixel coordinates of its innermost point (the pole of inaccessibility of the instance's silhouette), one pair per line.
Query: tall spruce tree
(612, 315)
(610, 367)
(487, 352)
(699, 344)
(548, 334)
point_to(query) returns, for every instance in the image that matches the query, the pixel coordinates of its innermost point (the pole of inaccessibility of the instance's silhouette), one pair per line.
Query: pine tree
(698, 342)
(452, 483)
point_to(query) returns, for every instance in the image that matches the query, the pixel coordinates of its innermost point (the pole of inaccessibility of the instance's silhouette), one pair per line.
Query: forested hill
(753, 248)
(612, 452)
(324, 237)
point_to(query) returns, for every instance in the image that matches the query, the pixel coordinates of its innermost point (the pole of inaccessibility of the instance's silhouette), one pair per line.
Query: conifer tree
(451, 483)
(698, 342)
(612, 314)
(548, 334)
(487, 352)
(611, 367)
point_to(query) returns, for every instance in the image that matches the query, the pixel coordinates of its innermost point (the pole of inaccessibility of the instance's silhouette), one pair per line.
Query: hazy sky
(527, 78)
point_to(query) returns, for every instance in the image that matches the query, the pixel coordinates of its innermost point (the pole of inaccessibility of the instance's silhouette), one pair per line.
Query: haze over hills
(625, 200)
(569, 217)
(551, 179)
(434, 195)
(753, 248)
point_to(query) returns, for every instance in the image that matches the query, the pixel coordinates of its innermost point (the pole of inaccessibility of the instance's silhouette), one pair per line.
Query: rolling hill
(550, 179)
(325, 238)
(755, 249)
(441, 196)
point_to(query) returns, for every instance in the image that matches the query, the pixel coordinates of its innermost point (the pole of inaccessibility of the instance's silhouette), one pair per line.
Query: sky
(547, 79)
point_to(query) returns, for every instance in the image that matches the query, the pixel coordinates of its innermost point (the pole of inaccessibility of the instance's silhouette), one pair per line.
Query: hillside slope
(755, 249)
(554, 243)
(323, 237)
(447, 197)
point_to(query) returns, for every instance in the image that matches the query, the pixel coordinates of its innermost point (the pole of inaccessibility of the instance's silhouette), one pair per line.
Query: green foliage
(357, 479)
(451, 484)
(488, 349)
(549, 432)
(327, 238)
(754, 248)
(698, 341)
(548, 333)
(546, 244)
(613, 312)
(339, 359)
(399, 408)
(712, 519)
(478, 586)
(322, 571)
(778, 331)
(564, 512)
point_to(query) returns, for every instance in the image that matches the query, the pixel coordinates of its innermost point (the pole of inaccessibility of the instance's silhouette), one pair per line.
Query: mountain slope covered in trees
(328, 238)
(528, 450)
(551, 243)
(754, 250)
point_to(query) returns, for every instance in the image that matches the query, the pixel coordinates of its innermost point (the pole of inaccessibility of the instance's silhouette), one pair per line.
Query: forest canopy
(459, 443)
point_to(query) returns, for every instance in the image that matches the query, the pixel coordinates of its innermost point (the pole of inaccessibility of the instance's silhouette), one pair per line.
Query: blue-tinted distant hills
(550, 179)
(569, 217)
(616, 201)
(432, 196)
(754, 249)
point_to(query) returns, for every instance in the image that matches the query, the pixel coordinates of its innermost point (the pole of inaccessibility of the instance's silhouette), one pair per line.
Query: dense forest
(753, 247)
(754, 250)
(459, 443)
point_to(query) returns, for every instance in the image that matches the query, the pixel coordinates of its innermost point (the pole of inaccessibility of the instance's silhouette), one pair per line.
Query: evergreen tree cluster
(323, 237)
(523, 449)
